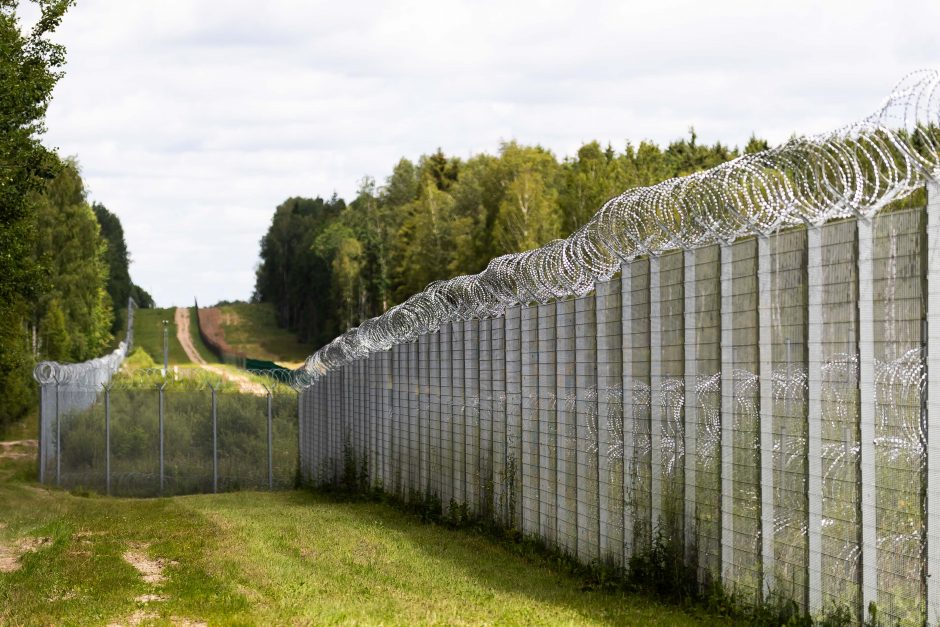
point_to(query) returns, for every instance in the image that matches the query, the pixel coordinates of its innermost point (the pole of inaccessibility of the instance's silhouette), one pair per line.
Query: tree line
(64, 273)
(328, 264)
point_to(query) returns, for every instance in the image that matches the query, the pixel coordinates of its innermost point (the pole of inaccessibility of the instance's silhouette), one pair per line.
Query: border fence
(153, 434)
(145, 435)
(734, 363)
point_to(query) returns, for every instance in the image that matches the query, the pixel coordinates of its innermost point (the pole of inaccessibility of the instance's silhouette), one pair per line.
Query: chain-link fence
(733, 363)
(145, 436)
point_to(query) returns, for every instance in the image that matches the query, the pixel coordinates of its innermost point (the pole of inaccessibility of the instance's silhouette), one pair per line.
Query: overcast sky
(193, 120)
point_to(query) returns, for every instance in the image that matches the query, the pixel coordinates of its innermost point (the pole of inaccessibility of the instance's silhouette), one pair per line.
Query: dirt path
(185, 339)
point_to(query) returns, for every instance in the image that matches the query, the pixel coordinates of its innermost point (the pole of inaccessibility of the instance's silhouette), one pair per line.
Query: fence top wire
(93, 373)
(853, 171)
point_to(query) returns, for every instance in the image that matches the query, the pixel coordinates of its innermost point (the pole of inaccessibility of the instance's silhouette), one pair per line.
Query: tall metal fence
(166, 437)
(760, 401)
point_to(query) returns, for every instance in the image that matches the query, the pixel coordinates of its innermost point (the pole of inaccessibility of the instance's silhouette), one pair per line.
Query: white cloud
(193, 120)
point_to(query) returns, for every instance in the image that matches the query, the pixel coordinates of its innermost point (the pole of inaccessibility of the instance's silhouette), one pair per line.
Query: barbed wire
(853, 171)
(92, 373)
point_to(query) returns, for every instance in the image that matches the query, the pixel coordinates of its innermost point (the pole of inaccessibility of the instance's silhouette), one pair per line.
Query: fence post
(727, 418)
(814, 422)
(215, 445)
(629, 411)
(270, 439)
(656, 392)
(933, 402)
(160, 420)
(58, 439)
(42, 439)
(690, 405)
(766, 420)
(867, 413)
(107, 439)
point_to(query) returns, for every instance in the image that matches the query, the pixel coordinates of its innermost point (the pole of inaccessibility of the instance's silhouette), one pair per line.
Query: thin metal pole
(40, 449)
(107, 439)
(215, 446)
(270, 443)
(166, 346)
(58, 440)
(160, 394)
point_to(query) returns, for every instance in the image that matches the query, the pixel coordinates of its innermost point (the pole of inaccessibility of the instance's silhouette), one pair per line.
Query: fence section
(763, 405)
(165, 440)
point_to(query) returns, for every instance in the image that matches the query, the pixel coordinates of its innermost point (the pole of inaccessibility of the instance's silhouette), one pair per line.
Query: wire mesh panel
(743, 570)
(414, 437)
(837, 276)
(513, 347)
(424, 413)
(134, 442)
(788, 288)
(435, 434)
(396, 421)
(671, 394)
(447, 416)
(500, 476)
(487, 403)
(707, 317)
(284, 438)
(188, 442)
(459, 413)
(546, 425)
(610, 419)
(900, 433)
(471, 371)
(79, 440)
(637, 427)
(242, 441)
(530, 420)
(567, 433)
(586, 414)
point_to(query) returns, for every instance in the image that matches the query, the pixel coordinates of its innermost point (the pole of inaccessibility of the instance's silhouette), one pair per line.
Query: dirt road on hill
(186, 341)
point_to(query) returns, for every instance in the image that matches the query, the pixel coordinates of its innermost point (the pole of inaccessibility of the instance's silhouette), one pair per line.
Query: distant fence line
(221, 353)
(83, 380)
(146, 435)
(752, 385)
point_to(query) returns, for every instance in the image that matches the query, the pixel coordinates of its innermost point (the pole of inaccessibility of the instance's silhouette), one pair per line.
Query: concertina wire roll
(853, 171)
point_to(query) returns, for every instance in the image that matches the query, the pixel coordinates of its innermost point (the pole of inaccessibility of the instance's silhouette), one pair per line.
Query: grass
(278, 558)
(198, 344)
(148, 335)
(251, 328)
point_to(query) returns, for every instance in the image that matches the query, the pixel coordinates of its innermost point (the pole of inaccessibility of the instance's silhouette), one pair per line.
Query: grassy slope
(201, 348)
(148, 335)
(289, 557)
(252, 330)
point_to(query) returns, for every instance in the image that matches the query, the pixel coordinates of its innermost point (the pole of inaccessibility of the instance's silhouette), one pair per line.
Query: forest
(64, 264)
(328, 264)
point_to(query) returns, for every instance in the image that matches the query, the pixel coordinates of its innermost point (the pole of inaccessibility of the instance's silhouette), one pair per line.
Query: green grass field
(252, 329)
(148, 335)
(291, 557)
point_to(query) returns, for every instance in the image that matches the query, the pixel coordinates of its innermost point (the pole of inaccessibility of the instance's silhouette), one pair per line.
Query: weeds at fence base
(659, 571)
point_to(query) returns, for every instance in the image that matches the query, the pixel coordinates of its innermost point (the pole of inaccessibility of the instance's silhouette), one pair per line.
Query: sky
(192, 120)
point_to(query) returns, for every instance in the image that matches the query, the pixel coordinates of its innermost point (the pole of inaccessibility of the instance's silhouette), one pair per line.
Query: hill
(251, 329)
(148, 335)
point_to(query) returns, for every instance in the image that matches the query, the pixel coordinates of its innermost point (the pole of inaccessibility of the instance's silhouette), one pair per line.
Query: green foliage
(292, 275)
(29, 69)
(251, 329)
(326, 266)
(148, 335)
(73, 253)
(56, 343)
(119, 286)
